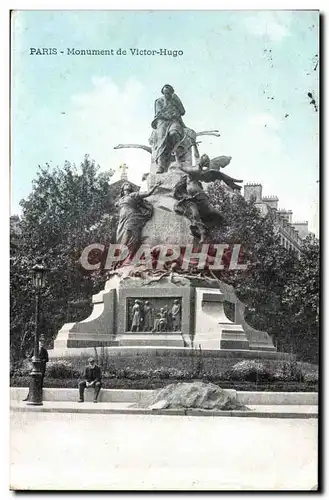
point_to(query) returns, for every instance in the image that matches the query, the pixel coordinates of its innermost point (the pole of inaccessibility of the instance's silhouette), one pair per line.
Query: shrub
(212, 374)
(104, 359)
(23, 369)
(174, 373)
(161, 373)
(250, 370)
(289, 370)
(311, 377)
(61, 369)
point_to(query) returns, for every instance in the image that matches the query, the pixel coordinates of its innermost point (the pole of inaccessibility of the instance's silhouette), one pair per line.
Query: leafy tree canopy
(281, 292)
(67, 210)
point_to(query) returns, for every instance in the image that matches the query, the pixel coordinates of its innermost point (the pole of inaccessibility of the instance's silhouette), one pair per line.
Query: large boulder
(197, 394)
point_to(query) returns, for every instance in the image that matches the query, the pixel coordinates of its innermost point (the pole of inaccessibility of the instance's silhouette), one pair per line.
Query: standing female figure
(134, 212)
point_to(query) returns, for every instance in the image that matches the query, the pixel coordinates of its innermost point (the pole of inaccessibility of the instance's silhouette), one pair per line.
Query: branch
(209, 132)
(134, 146)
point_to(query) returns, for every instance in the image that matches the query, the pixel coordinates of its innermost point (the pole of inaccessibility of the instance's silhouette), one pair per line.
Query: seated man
(93, 377)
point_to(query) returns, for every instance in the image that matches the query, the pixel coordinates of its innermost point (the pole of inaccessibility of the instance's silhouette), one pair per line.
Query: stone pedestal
(97, 330)
(168, 226)
(203, 319)
(110, 323)
(165, 226)
(258, 340)
(213, 329)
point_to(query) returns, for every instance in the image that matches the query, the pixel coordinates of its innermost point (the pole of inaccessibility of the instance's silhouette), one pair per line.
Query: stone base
(213, 328)
(233, 337)
(169, 339)
(258, 340)
(86, 340)
(204, 323)
(155, 351)
(96, 330)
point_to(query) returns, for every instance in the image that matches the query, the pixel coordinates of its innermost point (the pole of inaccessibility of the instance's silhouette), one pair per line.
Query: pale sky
(245, 73)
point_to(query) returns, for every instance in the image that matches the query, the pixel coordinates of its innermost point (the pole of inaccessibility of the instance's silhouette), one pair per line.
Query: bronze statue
(134, 212)
(210, 167)
(186, 146)
(168, 127)
(193, 202)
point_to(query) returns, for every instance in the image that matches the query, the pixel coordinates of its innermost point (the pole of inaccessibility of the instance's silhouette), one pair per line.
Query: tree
(67, 210)
(279, 290)
(301, 297)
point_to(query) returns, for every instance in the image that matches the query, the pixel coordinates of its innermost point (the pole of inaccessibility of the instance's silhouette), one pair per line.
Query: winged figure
(210, 171)
(193, 202)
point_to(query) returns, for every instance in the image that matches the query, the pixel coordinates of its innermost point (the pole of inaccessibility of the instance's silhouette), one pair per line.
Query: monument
(177, 308)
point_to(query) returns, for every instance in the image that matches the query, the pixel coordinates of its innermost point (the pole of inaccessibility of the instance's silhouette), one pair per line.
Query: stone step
(135, 395)
(157, 339)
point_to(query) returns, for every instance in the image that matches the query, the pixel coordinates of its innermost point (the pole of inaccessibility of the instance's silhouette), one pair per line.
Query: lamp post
(35, 393)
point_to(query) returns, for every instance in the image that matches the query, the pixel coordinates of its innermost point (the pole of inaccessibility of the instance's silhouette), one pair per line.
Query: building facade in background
(291, 232)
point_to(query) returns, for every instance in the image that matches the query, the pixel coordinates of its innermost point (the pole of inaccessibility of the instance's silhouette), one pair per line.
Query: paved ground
(261, 411)
(81, 451)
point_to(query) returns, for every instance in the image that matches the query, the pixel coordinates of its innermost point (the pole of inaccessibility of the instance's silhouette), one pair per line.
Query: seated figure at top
(168, 127)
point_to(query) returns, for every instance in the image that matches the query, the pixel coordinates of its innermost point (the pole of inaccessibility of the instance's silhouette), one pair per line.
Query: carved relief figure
(137, 318)
(163, 322)
(160, 323)
(148, 323)
(176, 316)
(134, 212)
(169, 319)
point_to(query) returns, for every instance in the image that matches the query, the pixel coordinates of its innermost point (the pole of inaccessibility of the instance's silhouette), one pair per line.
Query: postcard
(164, 250)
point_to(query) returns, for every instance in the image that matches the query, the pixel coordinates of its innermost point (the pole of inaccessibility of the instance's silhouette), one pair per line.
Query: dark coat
(43, 354)
(92, 374)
